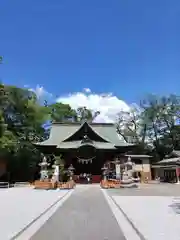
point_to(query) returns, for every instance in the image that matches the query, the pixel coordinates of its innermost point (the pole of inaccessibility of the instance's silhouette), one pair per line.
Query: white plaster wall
(138, 167)
(145, 166)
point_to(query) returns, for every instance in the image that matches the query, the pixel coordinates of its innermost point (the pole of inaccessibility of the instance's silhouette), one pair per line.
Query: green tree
(85, 114)
(162, 117)
(21, 119)
(23, 115)
(131, 126)
(154, 126)
(59, 112)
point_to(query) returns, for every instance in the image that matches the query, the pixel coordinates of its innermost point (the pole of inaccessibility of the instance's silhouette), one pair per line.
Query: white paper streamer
(89, 160)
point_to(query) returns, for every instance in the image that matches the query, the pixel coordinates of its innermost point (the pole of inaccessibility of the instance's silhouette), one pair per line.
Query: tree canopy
(154, 125)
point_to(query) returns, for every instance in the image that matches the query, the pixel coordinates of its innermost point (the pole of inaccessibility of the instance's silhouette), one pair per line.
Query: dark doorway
(93, 167)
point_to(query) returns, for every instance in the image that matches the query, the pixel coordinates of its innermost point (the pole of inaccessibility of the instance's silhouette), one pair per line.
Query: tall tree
(85, 114)
(131, 126)
(162, 117)
(22, 121)
(60, 112)
(7, 139)
(23, 115)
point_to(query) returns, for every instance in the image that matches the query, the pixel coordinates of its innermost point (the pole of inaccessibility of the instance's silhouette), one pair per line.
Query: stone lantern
(104, 172)
(44, 171)
(71, 171)
(129, 165)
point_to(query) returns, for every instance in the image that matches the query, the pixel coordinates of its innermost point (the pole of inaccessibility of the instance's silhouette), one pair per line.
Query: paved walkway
(84, 216)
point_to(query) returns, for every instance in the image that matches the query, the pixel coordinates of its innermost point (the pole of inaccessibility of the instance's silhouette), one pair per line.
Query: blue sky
(126, 47)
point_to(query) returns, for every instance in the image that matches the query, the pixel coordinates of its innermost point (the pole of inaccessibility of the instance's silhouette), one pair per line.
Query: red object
(178, 172)
(94, 179)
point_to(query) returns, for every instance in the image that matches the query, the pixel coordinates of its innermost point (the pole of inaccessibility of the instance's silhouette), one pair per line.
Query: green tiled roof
(109, 132)
(61, 131)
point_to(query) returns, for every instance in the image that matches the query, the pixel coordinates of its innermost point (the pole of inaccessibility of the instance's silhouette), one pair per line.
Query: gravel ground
(84, 216)
(20, 206)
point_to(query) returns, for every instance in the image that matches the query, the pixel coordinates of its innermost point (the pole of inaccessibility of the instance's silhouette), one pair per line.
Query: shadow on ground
(175, 206)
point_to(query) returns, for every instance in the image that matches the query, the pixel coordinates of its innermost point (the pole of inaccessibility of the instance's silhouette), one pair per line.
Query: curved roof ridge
(71, 134)
(81, 126)
(107, 140)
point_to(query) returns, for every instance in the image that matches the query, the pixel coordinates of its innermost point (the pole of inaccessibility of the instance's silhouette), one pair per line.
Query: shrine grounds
(150, 212)
(153, 209)
(154, 189)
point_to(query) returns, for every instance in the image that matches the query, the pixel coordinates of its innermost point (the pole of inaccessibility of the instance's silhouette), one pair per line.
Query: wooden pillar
(177, 175)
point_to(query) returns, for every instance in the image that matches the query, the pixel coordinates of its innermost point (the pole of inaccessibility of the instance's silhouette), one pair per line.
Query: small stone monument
(44, 172)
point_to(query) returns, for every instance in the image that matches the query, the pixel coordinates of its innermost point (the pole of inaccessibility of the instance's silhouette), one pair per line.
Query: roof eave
(164, 166)
(138, 156)
(125, 145)
(169, 161)
(45, 144)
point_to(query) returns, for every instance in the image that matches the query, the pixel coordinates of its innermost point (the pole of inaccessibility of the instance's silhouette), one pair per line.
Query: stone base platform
(110, 183)
(46, 185)
(117, 184)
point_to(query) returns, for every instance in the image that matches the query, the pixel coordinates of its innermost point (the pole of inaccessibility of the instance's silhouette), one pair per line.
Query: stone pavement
(20, 206)
(154, 209)
(85, 215)
(156, 217)
(162, 189)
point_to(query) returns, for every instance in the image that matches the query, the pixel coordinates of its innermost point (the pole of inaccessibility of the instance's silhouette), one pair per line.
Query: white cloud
(108, 104)
(87, 90)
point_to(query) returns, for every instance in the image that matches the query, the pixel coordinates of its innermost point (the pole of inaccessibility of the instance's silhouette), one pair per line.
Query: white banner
(56, 173)
(118, 171)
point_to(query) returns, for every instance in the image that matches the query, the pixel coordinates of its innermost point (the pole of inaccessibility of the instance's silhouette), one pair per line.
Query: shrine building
(88, 146)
